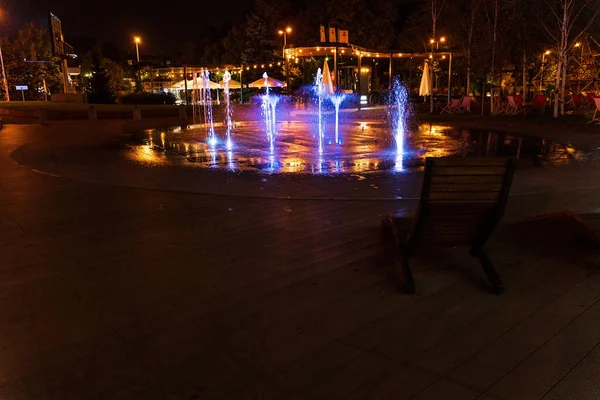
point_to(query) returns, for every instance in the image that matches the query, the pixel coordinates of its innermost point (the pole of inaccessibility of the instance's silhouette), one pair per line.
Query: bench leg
(397, 258)
(489, 270)
(409, 282)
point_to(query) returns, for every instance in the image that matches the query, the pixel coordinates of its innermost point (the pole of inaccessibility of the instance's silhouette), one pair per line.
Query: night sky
(162, 24)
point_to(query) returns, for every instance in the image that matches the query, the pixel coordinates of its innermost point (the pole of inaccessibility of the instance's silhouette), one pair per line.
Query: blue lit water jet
(208, 112)
(398, 110)
(320, 91)
(269, 104)
(337, 100)
(228, 123)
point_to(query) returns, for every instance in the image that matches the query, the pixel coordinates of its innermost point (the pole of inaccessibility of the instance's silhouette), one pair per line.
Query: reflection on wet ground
(365, 147)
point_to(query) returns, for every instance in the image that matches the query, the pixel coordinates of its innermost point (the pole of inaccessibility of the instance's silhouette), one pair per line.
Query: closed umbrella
(425, 88)
(327, 83)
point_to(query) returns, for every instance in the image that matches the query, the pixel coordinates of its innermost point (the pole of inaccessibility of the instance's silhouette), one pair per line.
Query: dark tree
(31, 43)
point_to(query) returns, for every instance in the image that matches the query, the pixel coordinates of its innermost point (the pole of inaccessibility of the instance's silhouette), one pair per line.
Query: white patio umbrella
(327, 82)
(425, 88)
(271, 82)
(195, 84)
(232, 84)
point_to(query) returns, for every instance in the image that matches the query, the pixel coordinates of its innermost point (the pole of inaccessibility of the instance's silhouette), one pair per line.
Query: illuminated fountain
(208, 112)
(337, 99)
(320, 91)
(398, 109)
(228, 122)
(269, 105)
(372, 145)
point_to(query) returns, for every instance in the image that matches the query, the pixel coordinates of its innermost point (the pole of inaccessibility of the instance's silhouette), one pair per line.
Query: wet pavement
(549, 172)
(121, 280)
(363, 147)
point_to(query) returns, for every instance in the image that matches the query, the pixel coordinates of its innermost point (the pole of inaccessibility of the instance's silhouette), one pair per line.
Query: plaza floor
(116, 284)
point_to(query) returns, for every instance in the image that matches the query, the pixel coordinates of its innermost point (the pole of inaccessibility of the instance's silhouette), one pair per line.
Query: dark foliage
(148, 98)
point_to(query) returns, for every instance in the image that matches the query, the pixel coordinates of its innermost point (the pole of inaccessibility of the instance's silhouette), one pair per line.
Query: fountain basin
(365, 146)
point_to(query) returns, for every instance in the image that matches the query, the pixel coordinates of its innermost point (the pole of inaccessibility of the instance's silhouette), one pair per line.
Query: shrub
(148, 98)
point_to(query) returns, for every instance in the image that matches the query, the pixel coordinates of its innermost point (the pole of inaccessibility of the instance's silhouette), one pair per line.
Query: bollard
(42, 116)
(182, 112)
(92, 113)
(137, 113)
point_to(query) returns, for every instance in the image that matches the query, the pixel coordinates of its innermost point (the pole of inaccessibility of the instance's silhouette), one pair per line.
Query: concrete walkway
(110, 291)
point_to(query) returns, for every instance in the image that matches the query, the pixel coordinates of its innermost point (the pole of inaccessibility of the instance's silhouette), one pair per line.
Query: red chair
(465, 104)
(597, 105)
(539, 103)
(589, 97)
(513, 107)
(519, 100)
(451, 107)
(579, 100)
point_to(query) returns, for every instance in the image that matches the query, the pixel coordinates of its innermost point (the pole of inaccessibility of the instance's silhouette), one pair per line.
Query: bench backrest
(461, 199)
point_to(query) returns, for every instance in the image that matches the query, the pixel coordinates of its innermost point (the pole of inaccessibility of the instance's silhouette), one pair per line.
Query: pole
(242, 85)
(23, 94)
(482, 97)
(431, 82)
(65, 75)
(4, 81)
(542, 74)
(524, 75)
(449, 77)
(359, 78)
(184, 84)
(137, 50)
(151, 80)
(335, 69)
(285, 63)
(390, 71)
(45, 89)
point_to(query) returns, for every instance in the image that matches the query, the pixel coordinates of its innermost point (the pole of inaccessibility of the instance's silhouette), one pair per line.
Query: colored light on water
(398, 110)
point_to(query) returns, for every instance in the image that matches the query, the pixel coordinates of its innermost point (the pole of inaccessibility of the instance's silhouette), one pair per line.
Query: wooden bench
(462, 201)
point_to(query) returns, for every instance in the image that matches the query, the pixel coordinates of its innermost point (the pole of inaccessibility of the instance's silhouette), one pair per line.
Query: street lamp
(137, 40)
(578, 44)
(284, 33)
(546, 53)
(437, 46)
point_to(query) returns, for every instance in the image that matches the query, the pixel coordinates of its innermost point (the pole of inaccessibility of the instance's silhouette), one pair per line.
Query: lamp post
(547, 52)
(4, 81)
(137, 40)
(284, 33)
(437, 46)
(578, 44)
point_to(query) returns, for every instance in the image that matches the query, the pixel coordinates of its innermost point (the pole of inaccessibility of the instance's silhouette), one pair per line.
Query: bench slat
(468, 171)
(461, 187)
(459, 208)
(469, 162)
(466, 179)
(464, 196)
